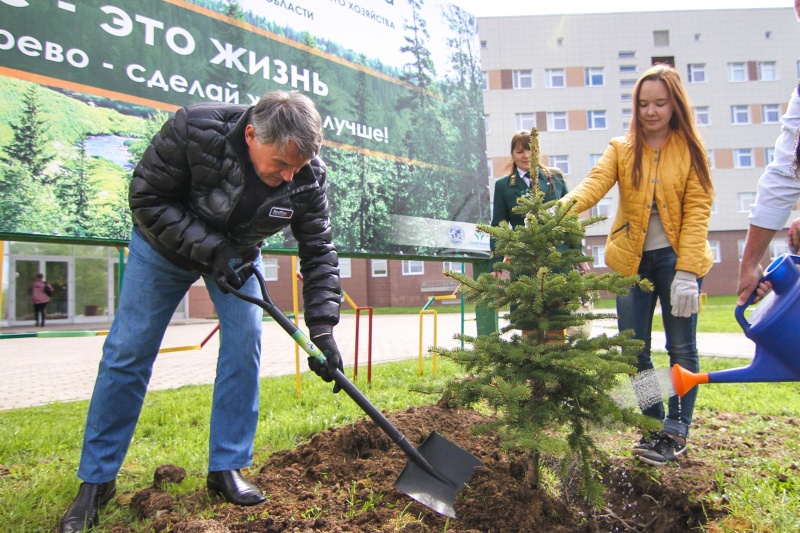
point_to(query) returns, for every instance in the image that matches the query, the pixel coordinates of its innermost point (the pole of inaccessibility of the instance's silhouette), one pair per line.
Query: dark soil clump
(341, 481)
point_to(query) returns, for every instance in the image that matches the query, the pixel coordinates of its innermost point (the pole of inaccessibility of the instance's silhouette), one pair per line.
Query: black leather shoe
(234, 488)
(82, 514)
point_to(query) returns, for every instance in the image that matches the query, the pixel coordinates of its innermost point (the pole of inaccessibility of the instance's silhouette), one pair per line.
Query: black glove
(226, 260)
(322, 337)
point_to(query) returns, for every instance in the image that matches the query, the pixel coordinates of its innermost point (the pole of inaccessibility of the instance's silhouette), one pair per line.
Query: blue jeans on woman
(635, 311)
(152, 288)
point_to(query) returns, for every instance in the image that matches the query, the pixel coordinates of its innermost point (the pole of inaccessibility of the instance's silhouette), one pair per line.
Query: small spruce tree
(550, 390)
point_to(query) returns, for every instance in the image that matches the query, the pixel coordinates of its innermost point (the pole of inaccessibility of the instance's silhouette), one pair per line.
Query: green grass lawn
(40, 447)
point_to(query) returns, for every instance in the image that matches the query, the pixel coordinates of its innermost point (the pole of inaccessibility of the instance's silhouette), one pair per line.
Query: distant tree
(151, 126)
(29, 147)
(420, 71)
(233, 10)
(16, 195)
(77, 192)
(114, 215)
(463, 94)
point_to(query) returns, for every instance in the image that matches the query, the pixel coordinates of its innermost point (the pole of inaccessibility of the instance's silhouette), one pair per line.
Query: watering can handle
(739, 313)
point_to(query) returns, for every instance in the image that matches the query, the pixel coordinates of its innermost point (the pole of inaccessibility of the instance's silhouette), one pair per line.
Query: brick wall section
(394, 290)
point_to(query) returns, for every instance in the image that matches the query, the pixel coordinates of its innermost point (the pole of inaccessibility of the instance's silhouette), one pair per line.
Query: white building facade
(572, 76)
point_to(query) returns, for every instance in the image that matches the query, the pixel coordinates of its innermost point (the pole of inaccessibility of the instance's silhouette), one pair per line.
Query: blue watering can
(774, 327)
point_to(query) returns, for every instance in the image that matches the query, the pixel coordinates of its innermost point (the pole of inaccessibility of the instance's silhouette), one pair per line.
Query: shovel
(435, 471)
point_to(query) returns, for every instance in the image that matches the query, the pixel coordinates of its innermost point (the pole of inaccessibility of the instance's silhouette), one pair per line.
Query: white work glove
(684, 294)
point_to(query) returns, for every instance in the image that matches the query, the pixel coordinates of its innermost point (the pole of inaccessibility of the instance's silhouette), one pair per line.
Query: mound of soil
(341, 481)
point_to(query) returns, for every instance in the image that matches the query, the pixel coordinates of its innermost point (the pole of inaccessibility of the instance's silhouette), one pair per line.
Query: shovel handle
(345, 384)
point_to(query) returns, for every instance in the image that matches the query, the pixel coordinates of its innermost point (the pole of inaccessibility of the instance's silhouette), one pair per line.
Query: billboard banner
(85, 84)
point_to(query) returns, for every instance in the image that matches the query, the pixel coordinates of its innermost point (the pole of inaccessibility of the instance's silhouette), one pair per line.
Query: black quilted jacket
(191, 176)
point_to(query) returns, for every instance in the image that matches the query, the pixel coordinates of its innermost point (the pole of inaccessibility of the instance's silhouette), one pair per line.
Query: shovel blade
(453, 466)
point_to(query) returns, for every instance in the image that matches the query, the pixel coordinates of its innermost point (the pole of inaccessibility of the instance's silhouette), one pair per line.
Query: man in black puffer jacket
(213, 184)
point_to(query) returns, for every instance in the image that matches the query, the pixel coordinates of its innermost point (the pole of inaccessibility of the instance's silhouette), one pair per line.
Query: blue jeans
(151, 291)
(635, 311)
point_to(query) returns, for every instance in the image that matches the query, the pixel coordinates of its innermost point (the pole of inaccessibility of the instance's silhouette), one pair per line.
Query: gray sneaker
(646, 443)
(667, 448)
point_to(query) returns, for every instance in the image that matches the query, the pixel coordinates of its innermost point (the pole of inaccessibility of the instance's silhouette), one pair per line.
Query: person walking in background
(40, 292)
(660, 233)
(214, 182)
(518, 183)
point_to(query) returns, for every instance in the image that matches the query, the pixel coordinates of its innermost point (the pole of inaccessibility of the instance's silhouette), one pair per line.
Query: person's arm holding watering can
(778, 190)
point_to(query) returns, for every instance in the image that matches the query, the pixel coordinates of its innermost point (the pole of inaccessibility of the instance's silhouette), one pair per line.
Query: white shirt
(778, 187)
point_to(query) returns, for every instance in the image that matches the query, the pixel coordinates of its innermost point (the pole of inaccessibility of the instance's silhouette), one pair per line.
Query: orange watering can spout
(683, 380)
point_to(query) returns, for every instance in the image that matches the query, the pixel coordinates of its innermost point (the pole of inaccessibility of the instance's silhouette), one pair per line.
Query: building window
(523, 79)
(627, 83)
(593, 159)
(598, 256)
(452, 265)
(555, 78)
(627, 69)
(413, 268)
(778, 247)
(737, 72)
(485, 80)
(769, 155)
(487, 125)
(345, 267)
(745, 199)
(770, 114)
(594, 77)
(557, 121)
(627, 112)
(626, 97)
(626, 55)
(561, 162)
(767, 71)
(524, 121)
(269, 267)
(661, 38)
(596, 120)
(740, 246)
(716, 253)
(602, 208)
(743, 158)
(483, 44)
(701, 117)
(380, 268)
(696, 73)
(740, 114)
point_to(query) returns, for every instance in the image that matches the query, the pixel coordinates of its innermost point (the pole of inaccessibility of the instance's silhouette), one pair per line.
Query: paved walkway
(37, 370)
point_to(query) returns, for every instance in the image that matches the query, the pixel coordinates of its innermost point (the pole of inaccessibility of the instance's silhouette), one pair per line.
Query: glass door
(24, 273)
(56, 272)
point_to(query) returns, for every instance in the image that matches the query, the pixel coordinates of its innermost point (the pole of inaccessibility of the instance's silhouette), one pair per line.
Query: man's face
(272, 165)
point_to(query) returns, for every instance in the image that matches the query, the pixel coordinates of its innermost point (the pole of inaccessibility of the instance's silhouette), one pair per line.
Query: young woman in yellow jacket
(660, 233)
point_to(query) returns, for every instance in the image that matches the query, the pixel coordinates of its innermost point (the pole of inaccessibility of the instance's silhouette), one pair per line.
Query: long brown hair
(682, 122)
(522, 139)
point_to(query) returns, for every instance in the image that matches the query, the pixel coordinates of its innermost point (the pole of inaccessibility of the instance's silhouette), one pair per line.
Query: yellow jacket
(683, 205)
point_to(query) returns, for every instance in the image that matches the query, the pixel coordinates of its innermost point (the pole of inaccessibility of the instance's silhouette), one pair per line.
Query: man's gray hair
(280, 117)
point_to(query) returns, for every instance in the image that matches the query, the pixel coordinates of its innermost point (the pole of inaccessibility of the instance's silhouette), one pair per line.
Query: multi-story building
(572, 76)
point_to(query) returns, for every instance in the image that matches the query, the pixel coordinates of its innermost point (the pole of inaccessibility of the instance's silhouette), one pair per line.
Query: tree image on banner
(549, 389)
(402, 115)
